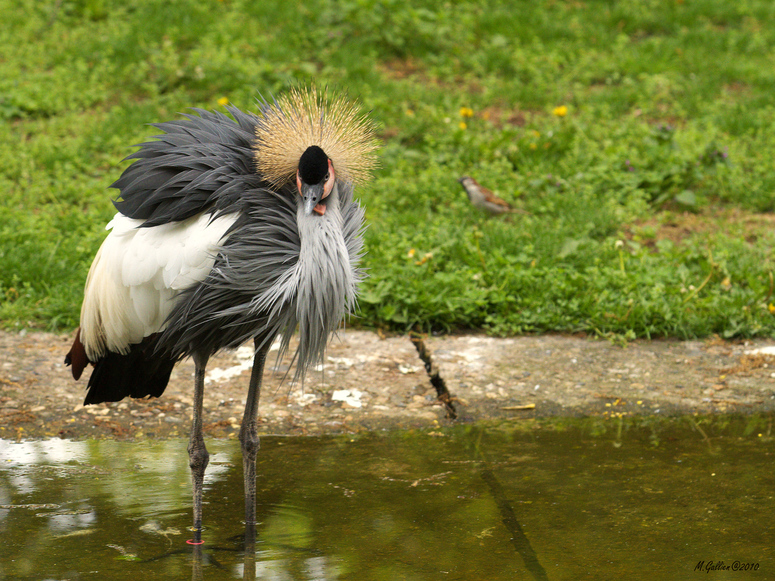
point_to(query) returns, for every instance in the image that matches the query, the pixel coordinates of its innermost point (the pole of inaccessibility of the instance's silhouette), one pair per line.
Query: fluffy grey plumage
(276, 270)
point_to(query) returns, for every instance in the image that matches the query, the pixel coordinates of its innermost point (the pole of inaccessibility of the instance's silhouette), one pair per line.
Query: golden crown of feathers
(304, 117)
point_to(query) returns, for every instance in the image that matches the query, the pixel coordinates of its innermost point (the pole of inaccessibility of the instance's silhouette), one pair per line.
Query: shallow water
(627, 498)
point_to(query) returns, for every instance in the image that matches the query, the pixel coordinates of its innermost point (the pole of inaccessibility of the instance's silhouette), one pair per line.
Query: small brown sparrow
(483, 198)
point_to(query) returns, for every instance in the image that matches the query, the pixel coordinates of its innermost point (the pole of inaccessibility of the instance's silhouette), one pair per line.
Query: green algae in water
(636, 498)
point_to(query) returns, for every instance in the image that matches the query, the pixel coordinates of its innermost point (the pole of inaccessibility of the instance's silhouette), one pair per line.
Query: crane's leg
(248, 435)
(197, 452)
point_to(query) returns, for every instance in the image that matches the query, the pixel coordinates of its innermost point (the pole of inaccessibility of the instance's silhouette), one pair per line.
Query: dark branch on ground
(442, 393)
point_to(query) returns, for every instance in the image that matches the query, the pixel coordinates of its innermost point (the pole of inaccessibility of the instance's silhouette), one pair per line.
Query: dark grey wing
(200, 162)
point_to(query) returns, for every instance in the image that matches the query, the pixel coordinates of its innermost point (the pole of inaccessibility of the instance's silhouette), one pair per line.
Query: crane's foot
(198, 460)
(250, 445)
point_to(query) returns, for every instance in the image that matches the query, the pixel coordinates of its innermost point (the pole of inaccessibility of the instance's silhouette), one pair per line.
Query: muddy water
(628, 498)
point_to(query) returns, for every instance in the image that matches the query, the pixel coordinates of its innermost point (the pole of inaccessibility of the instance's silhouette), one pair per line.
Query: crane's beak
(312, 196)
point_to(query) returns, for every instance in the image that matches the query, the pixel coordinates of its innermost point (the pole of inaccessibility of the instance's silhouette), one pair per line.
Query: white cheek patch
(329, 185)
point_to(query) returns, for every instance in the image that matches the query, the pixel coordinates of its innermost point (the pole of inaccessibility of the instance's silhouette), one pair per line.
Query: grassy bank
(635, 137)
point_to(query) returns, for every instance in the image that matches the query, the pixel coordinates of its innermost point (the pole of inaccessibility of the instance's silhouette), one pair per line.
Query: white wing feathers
(137, 274)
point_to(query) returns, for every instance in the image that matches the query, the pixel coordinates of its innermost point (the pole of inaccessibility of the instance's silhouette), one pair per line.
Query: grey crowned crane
(228, 229)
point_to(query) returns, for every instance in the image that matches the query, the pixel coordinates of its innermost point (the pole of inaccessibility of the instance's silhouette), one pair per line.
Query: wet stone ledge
(372, 383)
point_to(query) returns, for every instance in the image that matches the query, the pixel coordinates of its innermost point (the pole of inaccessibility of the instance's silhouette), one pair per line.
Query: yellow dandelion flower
(466, 112)
(462, 125)
(223, 101)
(411, 253)
(425, 258)
(533, 146)
(560, 111)
(771, 308)
(536, 134)
(410, 113)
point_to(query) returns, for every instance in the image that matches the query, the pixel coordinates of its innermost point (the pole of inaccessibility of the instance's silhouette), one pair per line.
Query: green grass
(646, 206)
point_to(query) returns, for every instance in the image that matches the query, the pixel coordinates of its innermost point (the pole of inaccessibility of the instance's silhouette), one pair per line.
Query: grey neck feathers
(275, 272)
(326, 281)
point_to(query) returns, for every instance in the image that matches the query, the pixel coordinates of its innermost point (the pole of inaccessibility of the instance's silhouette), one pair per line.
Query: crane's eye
(326, 178)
